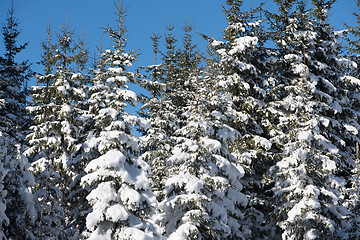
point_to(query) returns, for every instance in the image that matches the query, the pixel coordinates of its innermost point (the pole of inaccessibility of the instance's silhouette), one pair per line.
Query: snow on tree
(196, 179)
(311, 117)
(155, 142)
(162, 110)
(242, 75)
(117, 181)
(17, 205)
(53, 139)
(203, 196)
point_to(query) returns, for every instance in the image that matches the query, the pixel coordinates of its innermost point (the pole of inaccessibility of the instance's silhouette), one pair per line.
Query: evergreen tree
(196, 178)
(161, 110)
(117, 181)
(243, 76)
(155, 142)
(19, 214)
(202, 192)
(77, 195)
(53, 139)
(311, 116)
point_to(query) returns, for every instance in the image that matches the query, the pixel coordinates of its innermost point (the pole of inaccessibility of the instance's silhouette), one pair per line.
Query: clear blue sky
(143, 18)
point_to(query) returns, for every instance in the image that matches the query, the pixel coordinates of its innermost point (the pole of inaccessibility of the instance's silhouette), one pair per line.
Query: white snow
(216, 43)
(324, 121)
(115, 70)
(112, 159)
(305, 135)
(328, 164)
(178, 155)
(134, 233)
(183, 231)
(62, 89)
(104, 193)
(312, 234)
(211, 144)
(128, 95)
(351, 129)
(293, 159)
(93, 218)
(292, 58)
(328, 85)
(306, 35)
(227, 133)
(194, 185)
(326, 144)
(300, 69)
(242, 43)
(191, 183)
(130, 197)
(336, 182)
(109, 111)
(263, 142)
(344, 62)
(255, 24)
(237, 197)
(351, 79)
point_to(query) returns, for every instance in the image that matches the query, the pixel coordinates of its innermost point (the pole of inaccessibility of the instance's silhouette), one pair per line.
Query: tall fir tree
(119, 193)
(243, 75)
(311, 116)
(19, 216)
(155, 140)
(160, 110)
(56, 106)
(196, 179)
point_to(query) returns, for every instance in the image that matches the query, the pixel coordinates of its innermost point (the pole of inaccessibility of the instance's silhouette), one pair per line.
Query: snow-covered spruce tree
(311, 116)
(197, 180)
(119, 190)
(155, 142)
(243, 77)
(77, 204)
(162, 110)
(56, 106)
(18, 218)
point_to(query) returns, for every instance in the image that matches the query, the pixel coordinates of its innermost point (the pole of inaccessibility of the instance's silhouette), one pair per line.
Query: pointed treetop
(82, 56)
(118, 35)
(47, 57)
(155, 39)
(10, 33)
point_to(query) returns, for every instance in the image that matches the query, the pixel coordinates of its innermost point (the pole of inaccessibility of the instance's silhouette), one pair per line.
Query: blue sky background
(143, 18)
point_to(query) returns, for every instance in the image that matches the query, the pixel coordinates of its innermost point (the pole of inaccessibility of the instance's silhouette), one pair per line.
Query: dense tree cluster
(255, 137)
